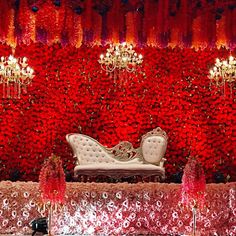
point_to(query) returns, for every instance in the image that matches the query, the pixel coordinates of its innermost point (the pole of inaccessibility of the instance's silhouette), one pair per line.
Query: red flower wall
(70, 93)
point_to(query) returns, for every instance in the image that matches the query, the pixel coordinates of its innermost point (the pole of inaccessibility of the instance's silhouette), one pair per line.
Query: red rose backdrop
(70, 93)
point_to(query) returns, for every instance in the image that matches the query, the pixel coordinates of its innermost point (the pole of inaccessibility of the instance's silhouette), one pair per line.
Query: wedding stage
(119, 209)
(130, 90)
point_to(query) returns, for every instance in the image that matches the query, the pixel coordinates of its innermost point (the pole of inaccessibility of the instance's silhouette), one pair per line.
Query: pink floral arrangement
(193, 184)
(52, 181)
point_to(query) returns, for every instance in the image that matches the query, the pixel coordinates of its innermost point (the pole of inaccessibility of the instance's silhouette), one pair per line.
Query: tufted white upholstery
(154, 148)
(94, 159)
(87, 150)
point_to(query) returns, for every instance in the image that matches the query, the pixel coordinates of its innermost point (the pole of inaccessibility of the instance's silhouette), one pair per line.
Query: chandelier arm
(107, 68)
(24, 82)
(111, 67)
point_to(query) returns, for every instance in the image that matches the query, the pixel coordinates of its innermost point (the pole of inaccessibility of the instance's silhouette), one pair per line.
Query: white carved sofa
(94, 159)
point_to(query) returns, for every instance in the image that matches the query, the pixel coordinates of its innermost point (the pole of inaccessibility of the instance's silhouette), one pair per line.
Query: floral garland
(193, 185)
(52, 181)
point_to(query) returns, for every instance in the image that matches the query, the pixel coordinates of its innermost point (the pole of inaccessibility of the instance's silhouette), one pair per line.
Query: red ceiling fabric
(160, 23)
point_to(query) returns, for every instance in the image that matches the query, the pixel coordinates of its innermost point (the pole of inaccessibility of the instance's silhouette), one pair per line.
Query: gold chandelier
(223, 72)
(121, 57)
(15, 74)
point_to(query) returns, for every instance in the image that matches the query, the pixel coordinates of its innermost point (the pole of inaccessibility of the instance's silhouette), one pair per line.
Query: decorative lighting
(15, 74)
(224, 72)
(121, 57)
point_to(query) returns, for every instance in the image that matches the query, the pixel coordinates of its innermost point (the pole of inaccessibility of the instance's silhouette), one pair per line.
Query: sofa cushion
(125, 166)
(120, 170)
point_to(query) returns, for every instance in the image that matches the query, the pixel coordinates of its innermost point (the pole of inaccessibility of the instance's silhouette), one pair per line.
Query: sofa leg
(83, 178)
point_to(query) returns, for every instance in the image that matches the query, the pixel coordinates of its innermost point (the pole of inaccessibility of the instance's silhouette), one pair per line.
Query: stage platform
(118, 209)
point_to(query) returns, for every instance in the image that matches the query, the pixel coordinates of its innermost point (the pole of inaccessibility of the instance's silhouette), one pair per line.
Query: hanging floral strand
(52, 185)
(193, 188)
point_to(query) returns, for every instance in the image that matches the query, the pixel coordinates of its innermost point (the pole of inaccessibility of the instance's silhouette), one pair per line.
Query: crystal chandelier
(15, 74)
(121, 57)
(223, 72)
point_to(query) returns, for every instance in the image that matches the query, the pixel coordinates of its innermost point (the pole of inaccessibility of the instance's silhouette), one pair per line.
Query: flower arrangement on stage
(119, 209)
(52, 181)
(193, 188)
(193, 184)
(52, 185)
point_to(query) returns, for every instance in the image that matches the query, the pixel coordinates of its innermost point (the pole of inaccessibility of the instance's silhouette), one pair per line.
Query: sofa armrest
(125, 152)
(76, 159)
(153, 145)
(162, 162)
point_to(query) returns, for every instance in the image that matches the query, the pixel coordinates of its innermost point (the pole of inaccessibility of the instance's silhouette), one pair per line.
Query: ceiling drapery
(163, 23)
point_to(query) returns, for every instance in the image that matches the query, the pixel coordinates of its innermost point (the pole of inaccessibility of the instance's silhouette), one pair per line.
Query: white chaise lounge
(94, 159)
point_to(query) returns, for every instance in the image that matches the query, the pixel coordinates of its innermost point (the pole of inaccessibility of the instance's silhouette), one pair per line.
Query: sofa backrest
(88, 150)
(153, 146)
